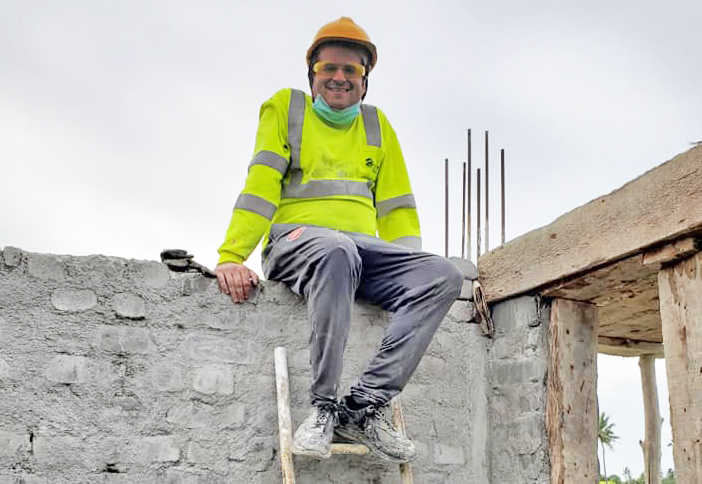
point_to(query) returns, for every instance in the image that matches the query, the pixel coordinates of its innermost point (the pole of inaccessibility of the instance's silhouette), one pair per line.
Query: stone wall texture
(120, 371)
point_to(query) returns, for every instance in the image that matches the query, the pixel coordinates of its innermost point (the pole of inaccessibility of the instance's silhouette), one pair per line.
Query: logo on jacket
(371, 164)
(294, 234)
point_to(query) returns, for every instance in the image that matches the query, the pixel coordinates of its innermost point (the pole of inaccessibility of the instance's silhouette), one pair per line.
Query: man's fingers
(239, 286)
(222, 281)
(237, 281)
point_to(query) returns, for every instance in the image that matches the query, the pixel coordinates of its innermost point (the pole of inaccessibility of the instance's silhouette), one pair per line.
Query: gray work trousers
(330, 269)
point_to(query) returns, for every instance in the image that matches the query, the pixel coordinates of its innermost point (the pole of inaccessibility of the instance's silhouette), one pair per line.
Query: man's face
(338, 89)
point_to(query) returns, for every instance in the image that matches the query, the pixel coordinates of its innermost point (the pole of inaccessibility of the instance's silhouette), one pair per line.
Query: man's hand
(236, 280)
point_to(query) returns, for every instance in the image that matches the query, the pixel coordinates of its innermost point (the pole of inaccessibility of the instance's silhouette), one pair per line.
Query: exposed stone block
(214, 379)
(198, 454)
(195, 284)
(61, 453)
(12, 256)
(224, 350)
(23, 478)
(67, 369)
(229, 319)
(126, 340)
(462, 311)
(12, 446)
(4, 369)
(446, 454)
(73, 300)
(469, 270)
(153, 274)
(46, 267)
(162, 448)
(167, 378)
(201, 415)
(129, 306)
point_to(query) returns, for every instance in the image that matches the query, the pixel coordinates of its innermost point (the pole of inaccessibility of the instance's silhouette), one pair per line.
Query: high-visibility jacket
(307, 172)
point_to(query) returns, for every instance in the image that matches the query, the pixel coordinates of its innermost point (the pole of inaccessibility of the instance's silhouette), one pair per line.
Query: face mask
(339, 118)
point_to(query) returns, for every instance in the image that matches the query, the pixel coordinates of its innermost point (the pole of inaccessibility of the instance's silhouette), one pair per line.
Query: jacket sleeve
(398, 221)
(260, 197)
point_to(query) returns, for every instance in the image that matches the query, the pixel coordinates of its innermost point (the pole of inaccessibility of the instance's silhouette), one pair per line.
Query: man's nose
(339, 75)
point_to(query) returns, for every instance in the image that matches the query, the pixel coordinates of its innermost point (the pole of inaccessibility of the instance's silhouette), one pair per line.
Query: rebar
(487, 198)
(463, 217)
(502, 194)
(478, 215)
(446, 211)
(468, 183)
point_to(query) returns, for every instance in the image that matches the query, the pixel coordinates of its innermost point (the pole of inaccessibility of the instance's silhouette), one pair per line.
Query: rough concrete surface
(119, 371)
(517, 369)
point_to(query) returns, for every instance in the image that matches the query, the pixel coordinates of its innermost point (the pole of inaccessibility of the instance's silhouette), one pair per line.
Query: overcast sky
(126, 126)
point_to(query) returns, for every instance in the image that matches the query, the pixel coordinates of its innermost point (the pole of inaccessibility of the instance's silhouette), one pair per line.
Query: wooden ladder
(285, 428)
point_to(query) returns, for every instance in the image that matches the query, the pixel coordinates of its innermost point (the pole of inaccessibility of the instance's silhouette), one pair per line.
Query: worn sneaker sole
(359, 437)
(310, 452)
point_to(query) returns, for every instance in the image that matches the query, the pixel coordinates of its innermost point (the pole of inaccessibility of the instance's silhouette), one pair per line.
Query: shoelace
(323, 415)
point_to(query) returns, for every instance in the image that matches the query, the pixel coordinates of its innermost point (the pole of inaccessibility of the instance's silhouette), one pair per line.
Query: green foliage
(669, 477)
(606, 436)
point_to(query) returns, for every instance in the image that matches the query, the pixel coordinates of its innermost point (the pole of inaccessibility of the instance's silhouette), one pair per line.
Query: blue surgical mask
(339, 118)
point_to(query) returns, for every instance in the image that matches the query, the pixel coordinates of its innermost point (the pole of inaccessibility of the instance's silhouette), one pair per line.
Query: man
(327, 176)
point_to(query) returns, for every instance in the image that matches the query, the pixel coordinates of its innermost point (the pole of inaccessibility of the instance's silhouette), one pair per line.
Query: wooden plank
(680, 249)
(680, 289)
(628, 347)
(662, 204)
(651, 446)
(626, 294)
(571, 395)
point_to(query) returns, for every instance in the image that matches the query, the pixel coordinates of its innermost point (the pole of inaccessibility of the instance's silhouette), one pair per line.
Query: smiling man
(328, 191)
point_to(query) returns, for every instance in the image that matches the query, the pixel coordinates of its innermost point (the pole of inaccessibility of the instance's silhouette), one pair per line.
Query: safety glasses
(351, 70)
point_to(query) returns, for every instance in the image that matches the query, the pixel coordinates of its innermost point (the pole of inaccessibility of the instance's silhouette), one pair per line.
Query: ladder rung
(355, 449)
(352, 449)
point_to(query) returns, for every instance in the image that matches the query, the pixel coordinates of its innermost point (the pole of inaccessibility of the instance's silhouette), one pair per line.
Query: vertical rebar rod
(478, 215)
(487, 198)
(463, 217)
(446, 211)
(468, 183)
(502, 194)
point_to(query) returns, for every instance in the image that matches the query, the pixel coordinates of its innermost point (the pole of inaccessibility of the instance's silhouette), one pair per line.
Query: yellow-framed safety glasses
(351, 70)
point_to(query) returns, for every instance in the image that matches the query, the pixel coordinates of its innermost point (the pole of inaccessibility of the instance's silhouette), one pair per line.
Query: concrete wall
(119, 371)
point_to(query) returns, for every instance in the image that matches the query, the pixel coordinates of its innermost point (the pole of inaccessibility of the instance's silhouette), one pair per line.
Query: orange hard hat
(345, 30)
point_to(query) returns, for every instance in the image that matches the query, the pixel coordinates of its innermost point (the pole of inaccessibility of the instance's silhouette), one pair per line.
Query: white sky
(126, 126)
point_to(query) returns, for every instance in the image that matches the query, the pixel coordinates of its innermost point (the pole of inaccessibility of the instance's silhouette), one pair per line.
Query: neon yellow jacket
(306, 172)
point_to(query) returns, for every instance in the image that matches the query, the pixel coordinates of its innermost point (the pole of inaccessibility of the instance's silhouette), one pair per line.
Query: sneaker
(370, 427)
(314, 435)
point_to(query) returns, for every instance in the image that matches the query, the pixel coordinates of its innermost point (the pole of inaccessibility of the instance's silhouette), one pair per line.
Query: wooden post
(284, 417)
(398, 420)
(571, 398)
(651, 446)
(680, 291)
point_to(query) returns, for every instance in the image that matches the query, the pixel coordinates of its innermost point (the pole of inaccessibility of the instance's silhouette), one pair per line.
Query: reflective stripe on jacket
(309, 173)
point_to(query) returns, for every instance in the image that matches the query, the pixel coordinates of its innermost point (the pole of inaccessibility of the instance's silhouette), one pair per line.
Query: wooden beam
(661, 205)
(651, 446)
(680, 249)
(680, 289)
(571, 395)
(628, 347)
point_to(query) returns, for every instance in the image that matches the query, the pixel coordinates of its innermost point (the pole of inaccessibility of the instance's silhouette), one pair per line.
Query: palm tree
(606, 436)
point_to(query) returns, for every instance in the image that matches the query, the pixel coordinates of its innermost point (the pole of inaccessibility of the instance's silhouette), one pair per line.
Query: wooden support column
(571, 400)
(651, 446)
(680, 288)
